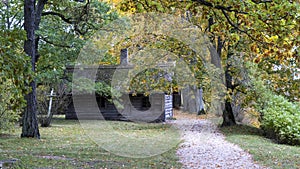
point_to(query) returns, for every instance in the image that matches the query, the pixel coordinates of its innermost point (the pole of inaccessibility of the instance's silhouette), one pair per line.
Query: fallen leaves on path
(204, 147)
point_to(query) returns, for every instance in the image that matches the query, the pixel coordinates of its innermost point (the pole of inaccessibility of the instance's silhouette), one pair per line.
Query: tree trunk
(30, 122)
(201, 102)
(228, 117)
(38, 16)
(192, 100)
(217, 103)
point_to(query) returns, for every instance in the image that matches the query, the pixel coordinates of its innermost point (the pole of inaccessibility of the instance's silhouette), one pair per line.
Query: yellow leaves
(235, 37)
(104, 63)
(114, 1)
(146, 93)
(273, 50)
(289, 54)
(123, 7)
(175, 88)
(271, 39)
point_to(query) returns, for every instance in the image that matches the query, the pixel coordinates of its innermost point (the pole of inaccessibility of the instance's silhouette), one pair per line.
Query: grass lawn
(264, 151)
(94, 144)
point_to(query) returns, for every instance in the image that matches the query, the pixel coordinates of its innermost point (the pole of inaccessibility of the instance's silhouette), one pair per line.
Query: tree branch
(220, 7)
(55, 44)
(61, 16)
(261, 1)
(225, 9)
(237, 28)
(73, 21)
(38, 13)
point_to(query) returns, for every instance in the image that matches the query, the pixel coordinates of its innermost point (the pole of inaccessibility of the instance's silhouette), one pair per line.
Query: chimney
(124, 56)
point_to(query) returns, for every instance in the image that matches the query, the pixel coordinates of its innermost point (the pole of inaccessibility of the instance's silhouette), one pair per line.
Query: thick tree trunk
(192, 100)
(228, 117)
(217, 104)
(30, 122)
(188, 100)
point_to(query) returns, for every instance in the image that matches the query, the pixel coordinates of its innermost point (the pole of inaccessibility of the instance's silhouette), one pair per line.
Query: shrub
(7, 119)
(11, 103)
(281, 120)
(15, 74)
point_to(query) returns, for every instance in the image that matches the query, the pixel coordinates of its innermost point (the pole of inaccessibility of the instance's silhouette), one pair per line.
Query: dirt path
(204, 147)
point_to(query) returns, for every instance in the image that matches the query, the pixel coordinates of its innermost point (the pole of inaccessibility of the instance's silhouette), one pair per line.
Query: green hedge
(281, 120)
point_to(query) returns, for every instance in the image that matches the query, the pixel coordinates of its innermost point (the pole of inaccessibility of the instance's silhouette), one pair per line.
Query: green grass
(264, 151)
(94, 144)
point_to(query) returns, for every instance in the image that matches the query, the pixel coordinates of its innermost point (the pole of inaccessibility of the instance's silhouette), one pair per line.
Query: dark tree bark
(228, 117)
(30, 122)
(37, 20)
(32, 18)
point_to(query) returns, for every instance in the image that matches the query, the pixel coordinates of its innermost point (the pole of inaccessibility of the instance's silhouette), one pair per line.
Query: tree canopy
(265, 32)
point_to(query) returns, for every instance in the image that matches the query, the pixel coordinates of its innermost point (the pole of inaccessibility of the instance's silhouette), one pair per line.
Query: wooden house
(85, 105)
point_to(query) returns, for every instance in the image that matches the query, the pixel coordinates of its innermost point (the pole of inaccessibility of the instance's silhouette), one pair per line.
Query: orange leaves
(257, 60)
(254, 48)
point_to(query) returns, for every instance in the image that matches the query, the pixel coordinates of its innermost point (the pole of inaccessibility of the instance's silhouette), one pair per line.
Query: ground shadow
(242, 130)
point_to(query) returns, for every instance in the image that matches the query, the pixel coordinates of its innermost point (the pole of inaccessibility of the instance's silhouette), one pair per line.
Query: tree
(32, 18)
(77, 21)
(252, 24)
(262, 31)
(15, 69)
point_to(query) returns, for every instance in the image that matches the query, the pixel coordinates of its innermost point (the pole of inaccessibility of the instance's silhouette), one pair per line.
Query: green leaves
(63, 36)
(150, 80)
(280, 117)
(15, 72)
(281, 120)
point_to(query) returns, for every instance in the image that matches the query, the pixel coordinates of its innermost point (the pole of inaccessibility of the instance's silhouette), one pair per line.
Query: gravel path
(204, 147)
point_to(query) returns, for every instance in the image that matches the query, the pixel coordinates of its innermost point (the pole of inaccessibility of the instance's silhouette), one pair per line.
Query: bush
(8, 118)
(281, 120)
(11, 103)
(15, 74)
